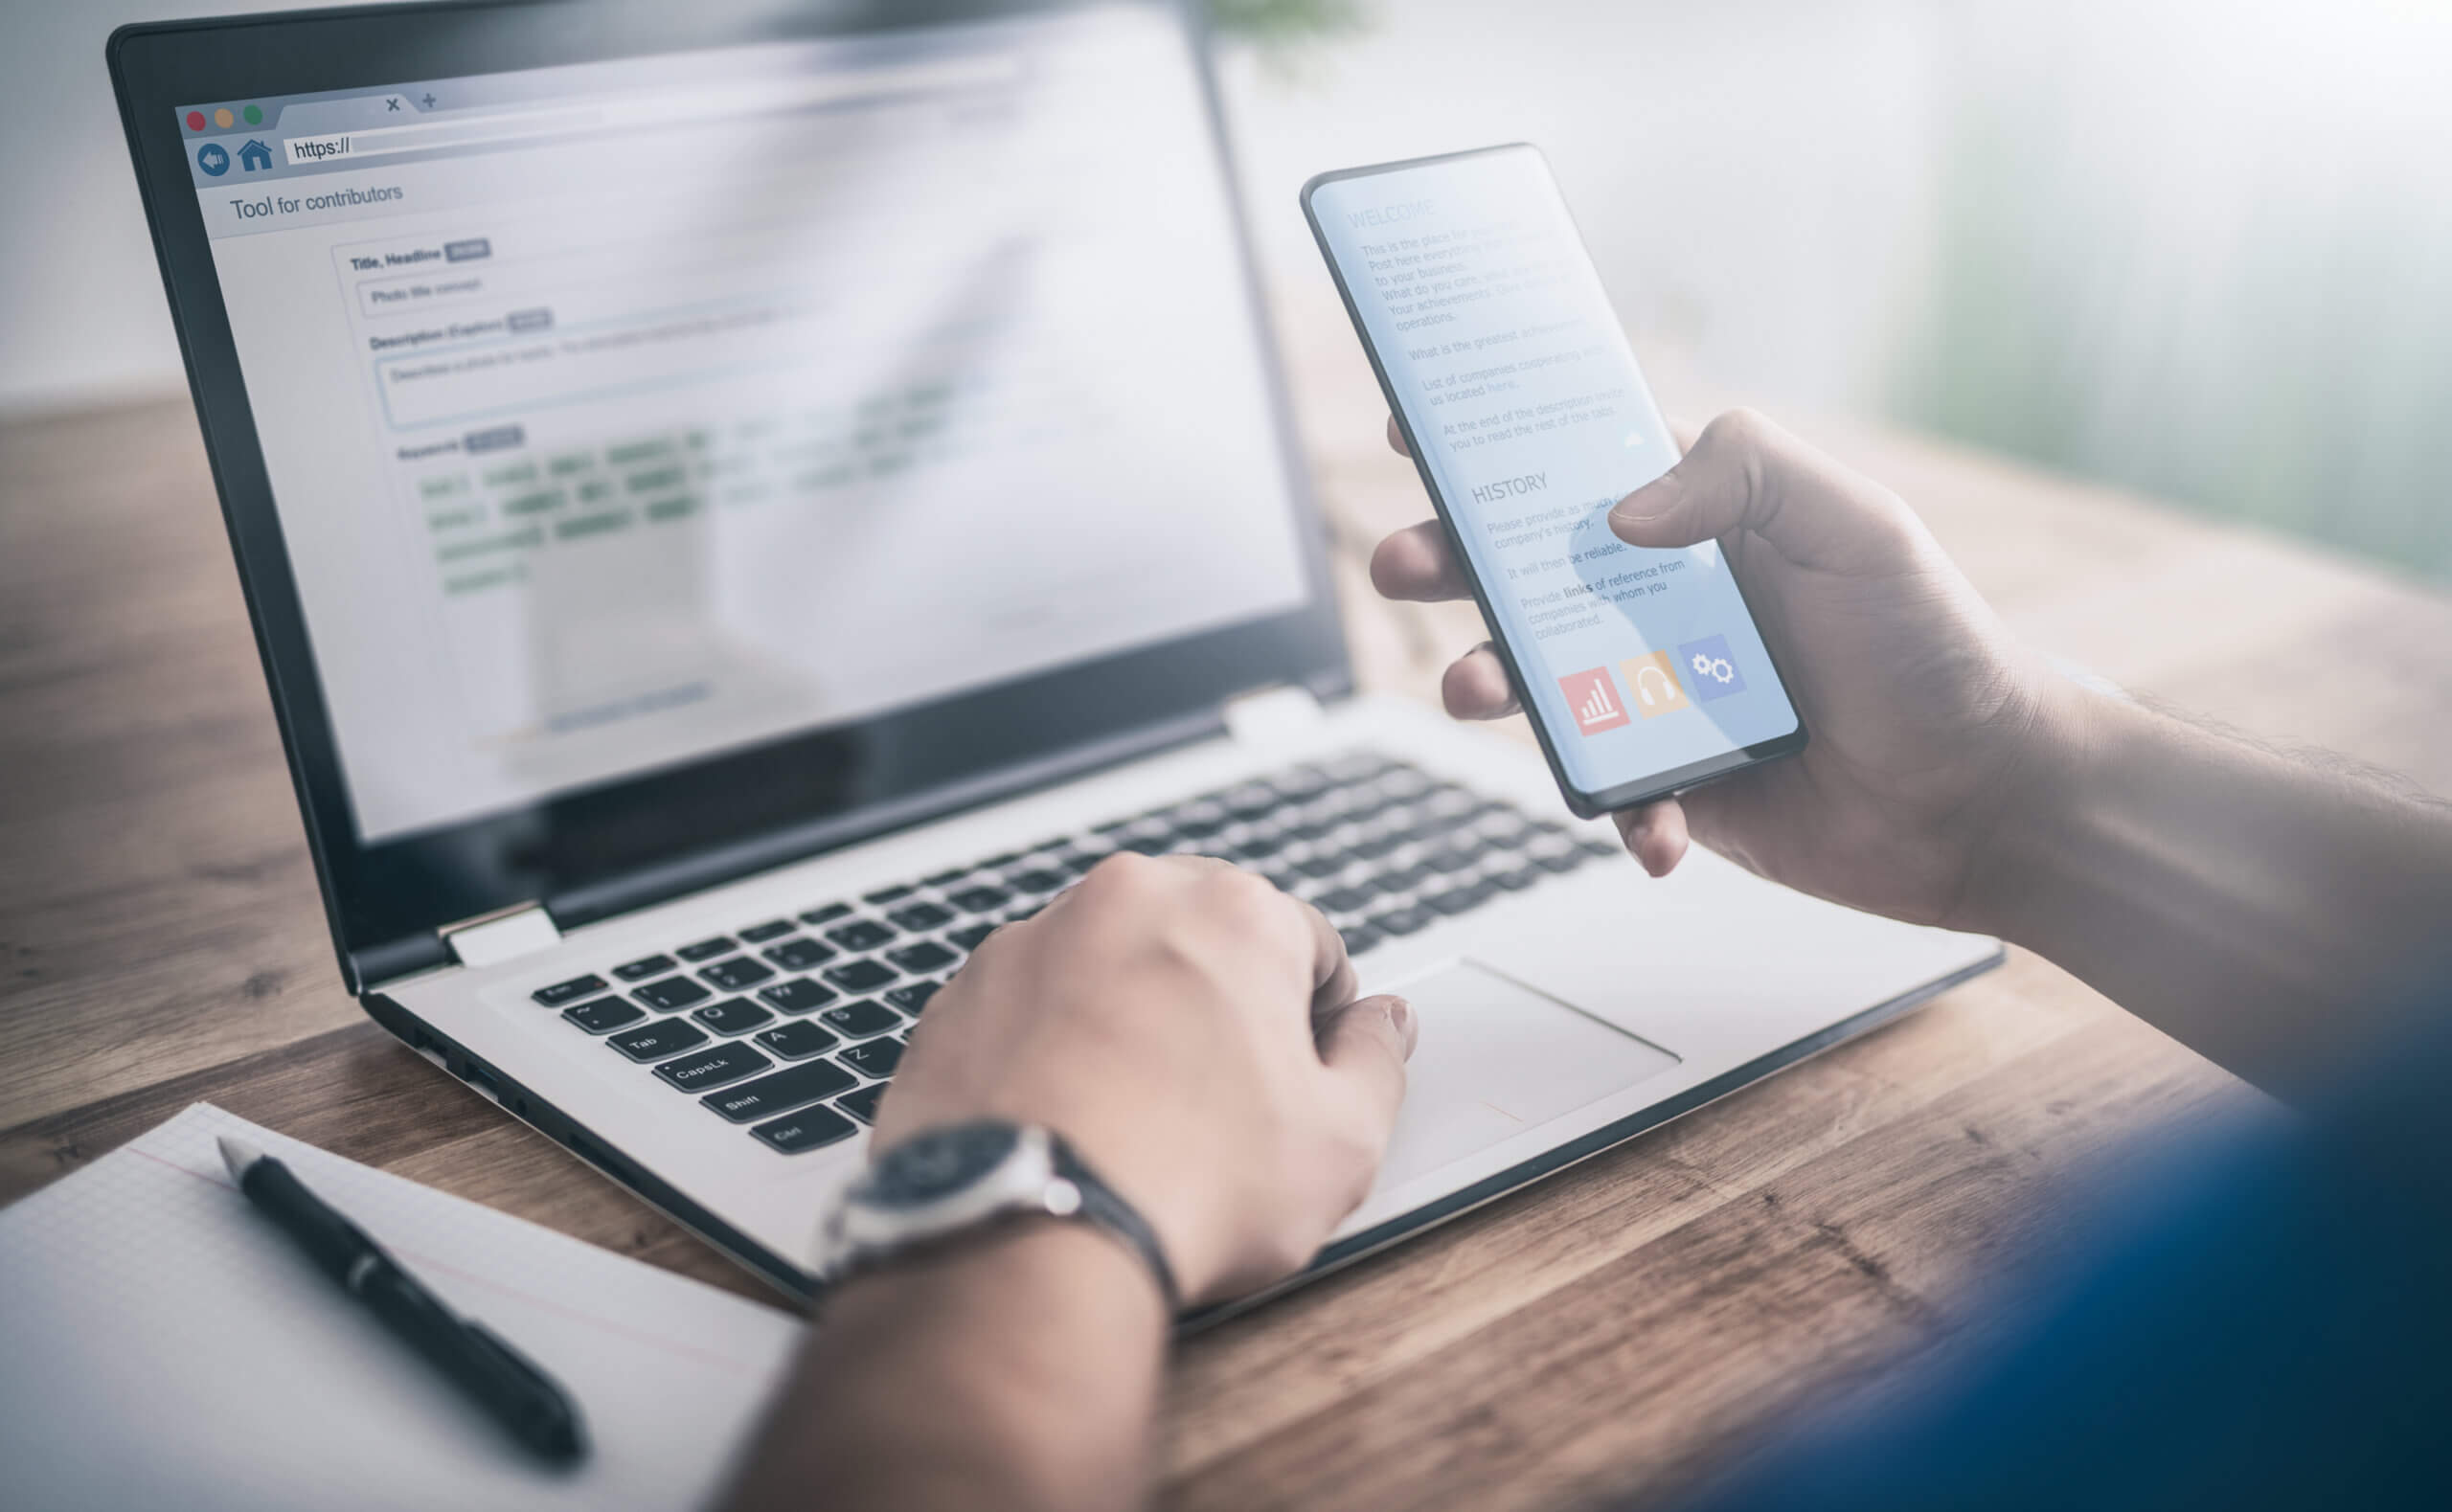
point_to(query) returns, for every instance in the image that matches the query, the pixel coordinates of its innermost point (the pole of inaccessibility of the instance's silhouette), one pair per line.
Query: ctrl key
(809, 1129)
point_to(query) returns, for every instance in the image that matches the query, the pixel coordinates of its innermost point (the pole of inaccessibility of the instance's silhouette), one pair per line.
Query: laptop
(739, 500)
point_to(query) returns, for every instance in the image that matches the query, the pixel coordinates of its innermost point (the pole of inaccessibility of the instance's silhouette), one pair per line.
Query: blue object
(2268, 1325)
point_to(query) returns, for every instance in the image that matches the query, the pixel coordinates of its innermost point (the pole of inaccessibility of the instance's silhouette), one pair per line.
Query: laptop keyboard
(793, 1026)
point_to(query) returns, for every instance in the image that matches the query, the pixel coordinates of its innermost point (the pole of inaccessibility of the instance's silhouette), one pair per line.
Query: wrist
(1031, 1262)
(2063, 750)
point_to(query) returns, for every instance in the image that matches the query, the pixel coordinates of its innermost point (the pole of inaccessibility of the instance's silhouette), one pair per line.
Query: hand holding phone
(1643, 671)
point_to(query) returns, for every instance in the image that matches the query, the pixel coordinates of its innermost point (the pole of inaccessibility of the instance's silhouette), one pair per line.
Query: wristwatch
(937, 1186)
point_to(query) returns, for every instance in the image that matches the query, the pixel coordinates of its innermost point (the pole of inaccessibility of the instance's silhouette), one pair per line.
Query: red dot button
(196, 120)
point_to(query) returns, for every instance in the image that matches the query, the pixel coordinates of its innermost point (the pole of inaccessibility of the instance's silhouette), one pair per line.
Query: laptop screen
(621, 414)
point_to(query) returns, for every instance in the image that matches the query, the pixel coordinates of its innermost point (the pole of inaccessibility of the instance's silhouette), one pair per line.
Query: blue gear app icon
(1709, 670)
(213, 158)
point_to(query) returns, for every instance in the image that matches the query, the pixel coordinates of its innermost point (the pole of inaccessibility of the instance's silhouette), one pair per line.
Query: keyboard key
(914, 997)
(877, 1057)
(798, 996)
(970, 936)
(1358, 937)
(1517, 880)
(799, 955)
(1377, 847)
(809, 1129)
(1402, 921)
(946, 879)
(1345, 900)
(860, 976)
(863, 1104)
(861, 1019)
(712, 1068)
(997, 863)
(1259, 848)
(794, 1086)
(884, 895)
(603, 1015)
(1402, 879)
(1250, 801)
(1320, 867)
(827, 914)
(1301, 784)
(739, 974)
(658, 1040)
(1080, 863)
(1037, 880)
(760, 933)
(862, 933)
(798, 1040)
(925, 956)
(731, 1016)
(672, 992)
(706, 949)
(1451, 859)
(981, 900)
(1602, 848)
(1461, 900)
(922, 916)
(571, 991)
(645, 966)
(1563, 862)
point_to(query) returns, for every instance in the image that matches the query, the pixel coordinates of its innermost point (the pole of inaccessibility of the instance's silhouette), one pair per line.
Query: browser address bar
(656, 110)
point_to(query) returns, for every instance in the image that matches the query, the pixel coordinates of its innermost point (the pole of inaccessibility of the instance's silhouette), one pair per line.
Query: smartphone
(1641, 671)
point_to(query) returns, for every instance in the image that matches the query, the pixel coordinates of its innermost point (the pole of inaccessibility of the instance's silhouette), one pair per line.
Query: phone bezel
(1584, 804)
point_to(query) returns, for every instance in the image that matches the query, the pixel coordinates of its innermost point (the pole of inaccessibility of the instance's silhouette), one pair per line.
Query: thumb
(1365, 1048)
(1745, 474)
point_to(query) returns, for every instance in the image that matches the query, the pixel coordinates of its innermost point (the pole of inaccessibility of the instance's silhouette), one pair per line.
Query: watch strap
(1103, 1206)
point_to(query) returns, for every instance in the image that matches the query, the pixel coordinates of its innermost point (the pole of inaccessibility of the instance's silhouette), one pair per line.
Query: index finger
(1396, 437)
(1333, 980)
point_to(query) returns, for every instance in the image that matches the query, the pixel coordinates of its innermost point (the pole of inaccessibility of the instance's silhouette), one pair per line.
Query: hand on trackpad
(1496, 1059)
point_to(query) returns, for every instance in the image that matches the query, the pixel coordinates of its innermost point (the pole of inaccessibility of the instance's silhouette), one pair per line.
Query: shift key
(712, 1068)
(781, 1092)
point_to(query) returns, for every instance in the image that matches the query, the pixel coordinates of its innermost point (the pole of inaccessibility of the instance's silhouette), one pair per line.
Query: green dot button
(255, 116)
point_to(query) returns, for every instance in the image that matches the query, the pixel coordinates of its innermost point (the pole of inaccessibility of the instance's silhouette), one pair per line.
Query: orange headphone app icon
(1656, 687)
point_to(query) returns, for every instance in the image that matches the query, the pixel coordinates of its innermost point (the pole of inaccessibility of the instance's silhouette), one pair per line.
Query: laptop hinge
(504, 934)
(1273, 716)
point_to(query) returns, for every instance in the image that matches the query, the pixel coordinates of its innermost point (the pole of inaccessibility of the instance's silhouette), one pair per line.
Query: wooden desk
(1617, 1327)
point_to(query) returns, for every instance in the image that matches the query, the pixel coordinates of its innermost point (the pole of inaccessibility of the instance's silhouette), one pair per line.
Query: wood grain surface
(1614, 1329)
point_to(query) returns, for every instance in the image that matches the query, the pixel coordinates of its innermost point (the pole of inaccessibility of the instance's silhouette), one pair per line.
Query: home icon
(255, 156)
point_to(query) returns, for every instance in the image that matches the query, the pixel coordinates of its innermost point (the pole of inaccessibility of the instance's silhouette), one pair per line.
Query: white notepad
(162, 1344)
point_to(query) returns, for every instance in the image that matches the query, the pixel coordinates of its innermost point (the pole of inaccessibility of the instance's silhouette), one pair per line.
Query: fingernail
(1400, 1014)
(1649, 502)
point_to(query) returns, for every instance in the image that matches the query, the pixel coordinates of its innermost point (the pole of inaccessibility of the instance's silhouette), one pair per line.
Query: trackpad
(1496, 1058)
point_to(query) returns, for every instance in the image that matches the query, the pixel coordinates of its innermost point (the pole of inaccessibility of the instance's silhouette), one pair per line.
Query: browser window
(622, 414)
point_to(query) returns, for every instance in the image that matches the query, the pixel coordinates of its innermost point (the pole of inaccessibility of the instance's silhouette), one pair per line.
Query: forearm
(2268, 912)
(1016, 1373)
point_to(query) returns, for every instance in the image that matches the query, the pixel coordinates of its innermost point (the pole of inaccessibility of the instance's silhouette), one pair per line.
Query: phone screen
(1641, 669)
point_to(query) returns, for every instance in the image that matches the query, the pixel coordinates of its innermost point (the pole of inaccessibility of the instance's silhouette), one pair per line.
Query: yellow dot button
(222, 119)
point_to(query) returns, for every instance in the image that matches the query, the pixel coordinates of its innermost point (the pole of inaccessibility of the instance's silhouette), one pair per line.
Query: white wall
(82, 314)
(1752, 174)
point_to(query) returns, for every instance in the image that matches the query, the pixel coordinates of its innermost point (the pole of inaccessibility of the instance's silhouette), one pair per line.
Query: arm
(1191, 1030)
(1018, 1372)
(2274, 913)
(2263, 910)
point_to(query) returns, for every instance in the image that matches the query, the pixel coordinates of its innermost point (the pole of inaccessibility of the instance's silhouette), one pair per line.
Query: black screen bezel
(1584, 804)
(620, 845)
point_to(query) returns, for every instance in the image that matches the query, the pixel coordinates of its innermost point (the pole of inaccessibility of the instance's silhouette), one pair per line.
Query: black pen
(514, 1391)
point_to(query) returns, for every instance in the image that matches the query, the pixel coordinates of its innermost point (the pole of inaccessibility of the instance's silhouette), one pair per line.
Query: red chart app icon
(1594, 700)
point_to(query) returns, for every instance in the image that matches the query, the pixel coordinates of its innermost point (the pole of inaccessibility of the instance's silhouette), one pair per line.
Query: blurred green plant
(1275, 25)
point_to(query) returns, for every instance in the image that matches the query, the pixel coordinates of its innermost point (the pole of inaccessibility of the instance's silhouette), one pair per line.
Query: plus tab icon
(427, 100)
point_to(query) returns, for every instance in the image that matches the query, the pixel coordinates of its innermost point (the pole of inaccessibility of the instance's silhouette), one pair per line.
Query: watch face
(940, 1161)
